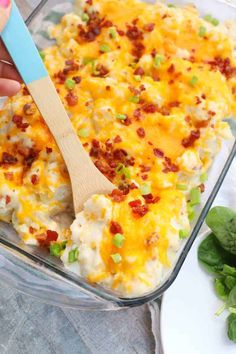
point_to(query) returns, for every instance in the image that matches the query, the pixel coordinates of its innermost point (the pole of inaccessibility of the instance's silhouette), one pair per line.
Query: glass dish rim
(137, 301)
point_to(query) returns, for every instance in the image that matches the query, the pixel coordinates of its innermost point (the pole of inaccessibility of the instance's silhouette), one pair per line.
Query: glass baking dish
(33, 271)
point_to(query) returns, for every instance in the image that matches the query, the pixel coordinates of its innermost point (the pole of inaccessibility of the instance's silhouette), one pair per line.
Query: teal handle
(22, 49)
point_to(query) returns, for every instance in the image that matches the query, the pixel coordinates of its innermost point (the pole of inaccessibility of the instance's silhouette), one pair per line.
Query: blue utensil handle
(22, 49)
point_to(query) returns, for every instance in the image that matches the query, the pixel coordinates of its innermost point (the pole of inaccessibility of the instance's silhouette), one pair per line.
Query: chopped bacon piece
(31, 230)
(134, 33)
(135, 203)
(8, 199)
(71, 99)
(18, 121)
(190, 140)
(138, 49)
(141, 132)
(46, 238)
(115, 228)
(145, 168)
(150, 199)
(171, 69)
(29, 109)
(60, 76)
(9, 176)
(51, 235)
(101, 71)
(137, 114)
(48, 150)
(224, 66)
(149, 108)
(139, 71)
(169, 166)
(117, 139)
(174, 104)
(77, 79)
(138, 209)
(158, 153)
(202, 187)
(71, 65)
(149, 27)
(8, 159)
(117, 196)
(34, 179)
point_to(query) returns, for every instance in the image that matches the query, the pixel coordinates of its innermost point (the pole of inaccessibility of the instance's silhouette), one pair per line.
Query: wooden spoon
(86, 179)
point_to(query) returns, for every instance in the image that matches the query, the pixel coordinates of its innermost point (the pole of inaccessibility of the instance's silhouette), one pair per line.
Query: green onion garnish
(70, 84)
(85, 17)
(88, 60)
(193, 81)
(41, 53)
(212, 20)
(118, 240)
(183, 234)
(191, 212)
(202, 31)
(83, 133)
(134, 99)
(145, 189)
(121, 116)
(203, 177)
(122, 170)
(182, 187)
(73, 255)
(215, 22)
(171, 5)
(137, 77)
(195, 196)
(116, 257)
(158, 60)
(56, 248)
(104, 48)
(112, 32)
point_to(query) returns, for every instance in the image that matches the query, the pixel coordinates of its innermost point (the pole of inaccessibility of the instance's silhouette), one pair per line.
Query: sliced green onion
(41, 53)
(215, 22)
(83, 133)
(193, 81)
(191, 212)
(208, 18)
(70, 84)
(203, 177)
(134, 99)
(126, 172)
(73, 255)
(85, 17)
(122, 170)
(202, 31)
(145, 189)
(137, 77)
(158, 60)
(212, 20)
(195, 196)
(104, 48)
(182, 187)
(118, 240)
(112, 32)
(183, 234)
(88, 60)
(116, 257)
(171, 5)
(121, 116)
(56, 248)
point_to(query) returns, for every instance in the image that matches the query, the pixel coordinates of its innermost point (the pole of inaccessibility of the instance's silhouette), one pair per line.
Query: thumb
(5, 9)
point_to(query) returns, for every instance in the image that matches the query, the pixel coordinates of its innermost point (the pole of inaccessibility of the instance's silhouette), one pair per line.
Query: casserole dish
(43, 275)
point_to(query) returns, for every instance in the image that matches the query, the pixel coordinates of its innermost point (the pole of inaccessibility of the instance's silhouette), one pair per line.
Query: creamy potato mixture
(146, 88)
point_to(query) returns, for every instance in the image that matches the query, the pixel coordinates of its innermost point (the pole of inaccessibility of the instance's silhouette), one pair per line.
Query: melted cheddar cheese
(146, 88)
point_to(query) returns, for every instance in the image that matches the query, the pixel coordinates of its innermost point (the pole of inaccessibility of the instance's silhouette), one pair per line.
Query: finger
(9, 87)
(5, 9)
(4, 55)
(8, 71)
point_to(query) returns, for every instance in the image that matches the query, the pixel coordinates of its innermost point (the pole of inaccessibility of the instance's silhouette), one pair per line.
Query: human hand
(9, 77)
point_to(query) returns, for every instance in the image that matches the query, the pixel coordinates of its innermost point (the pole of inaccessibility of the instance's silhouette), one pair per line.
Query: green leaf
(73, 255)
(230, 282)
(53, 16)
(231, 324)
(228, 270)
(222, 221)
(232, 298)
(221, 290)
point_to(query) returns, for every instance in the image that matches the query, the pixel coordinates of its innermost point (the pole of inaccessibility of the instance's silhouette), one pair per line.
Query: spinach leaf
(222, 221)
(230, 282)
(211, 255)
(221, 289)
(232, 298)
(232, 327)
(227, 270)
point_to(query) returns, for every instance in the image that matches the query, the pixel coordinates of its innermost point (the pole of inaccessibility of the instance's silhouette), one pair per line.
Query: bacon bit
(158, 153)
(145, 168)
(108, 88)
(31, 230)
(71, 99)
(34, 179)
(126, 121)
(224, 66)
(198, 100)
(155, 77)
(48, 150)
(144, 177)
(51, 235)
(124, 188)
(138, 209)
(190, 140)
(61, 77)
(149, 27)
(135, 21)
(134, 33)
(169, 166)
(133, 186)
(171, 69)
(211, 113)
(117, 196)
(141, 132)
(18, 121)
(71, 65)
(203, 96)
(77, 79)
(9, 176)
(45, 239)
(8, 159)
(138, 49)
(107, 24)
(120, 32)
(202, 187)
(29, 109)
(149, 108)
(25, 91)
(149, 199)
(94, 27)
(137, 114)
(115, 228)
(117, 139)
(89, 2)
(108, 144)
(139, 71)
(174, 104)
(101, 71)
(202, 124)
(8, 199)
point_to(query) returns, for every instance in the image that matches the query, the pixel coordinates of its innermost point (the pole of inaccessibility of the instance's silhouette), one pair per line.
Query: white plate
(188, 321)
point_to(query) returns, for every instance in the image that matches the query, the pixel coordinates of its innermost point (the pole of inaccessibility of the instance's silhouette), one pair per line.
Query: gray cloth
(28, 326)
